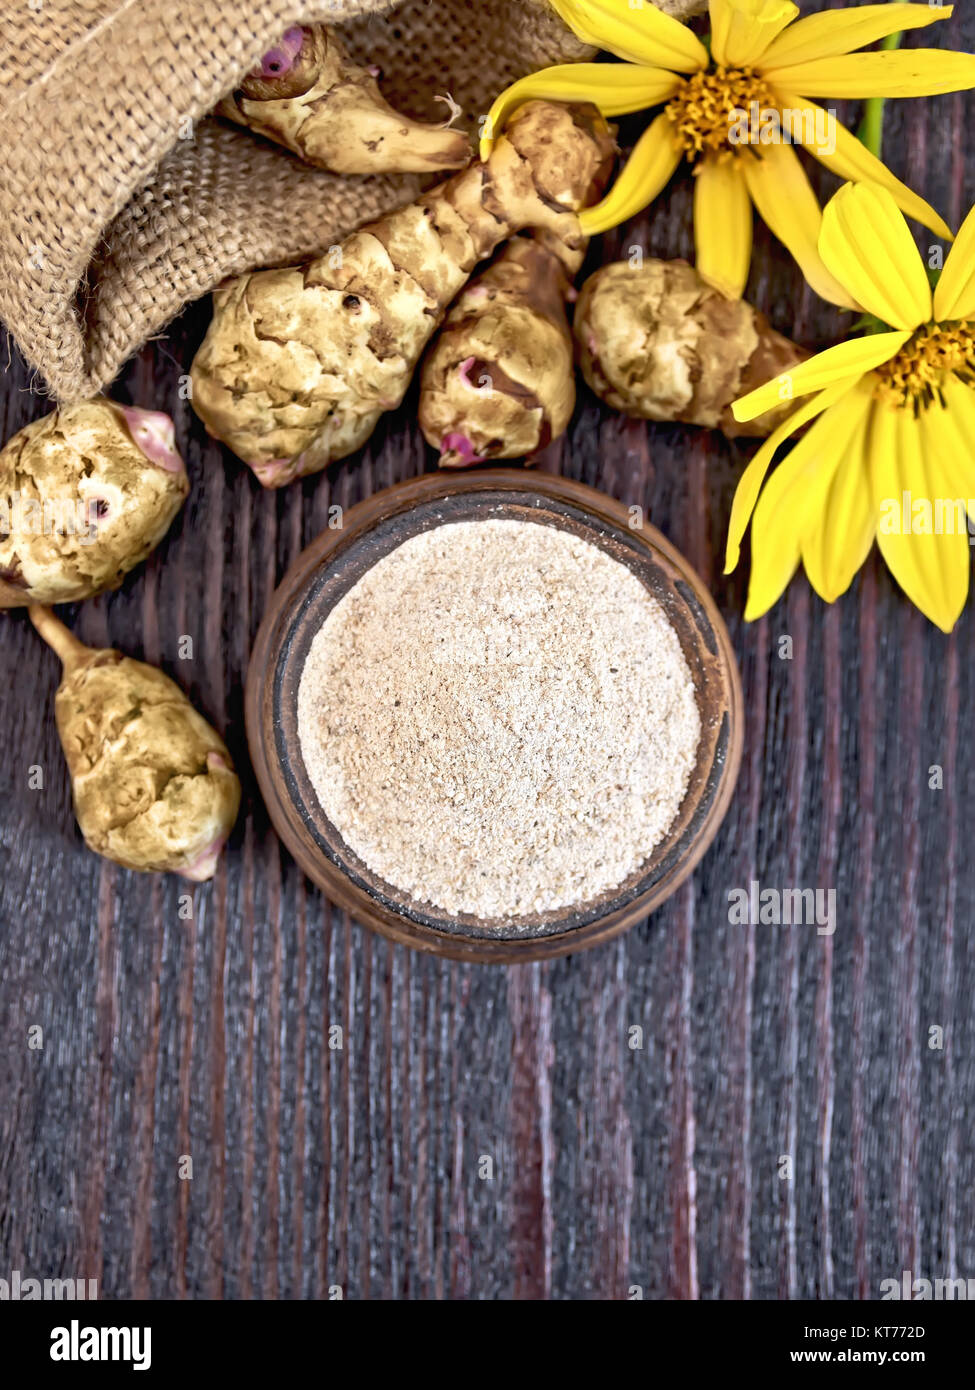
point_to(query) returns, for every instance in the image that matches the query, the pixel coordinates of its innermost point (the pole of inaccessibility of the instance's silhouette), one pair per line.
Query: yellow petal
(750, 482)
(961, 402)
(852, 358)
(638, 32)
(787, 205)
(794, 496)
(866, 243)
(722, 225)
(949, 439)
(932, 569)
(832, 32)
(954, 294)
(616, 88)
(655, 157)
(908, 72)
(837, 544)
(741, 30)
(829, 141)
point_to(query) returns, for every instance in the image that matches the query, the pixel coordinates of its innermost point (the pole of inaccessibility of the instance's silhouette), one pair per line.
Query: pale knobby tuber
(299, 364)
(654, 340)
(308, 95)
(85, 494)
(499, 380)
(154, 787)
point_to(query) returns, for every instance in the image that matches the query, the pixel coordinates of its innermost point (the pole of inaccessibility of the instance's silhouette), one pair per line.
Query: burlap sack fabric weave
(120, 201)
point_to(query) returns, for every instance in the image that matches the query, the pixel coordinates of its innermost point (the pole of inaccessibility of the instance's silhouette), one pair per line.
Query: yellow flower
(764, 65)
(891, 454)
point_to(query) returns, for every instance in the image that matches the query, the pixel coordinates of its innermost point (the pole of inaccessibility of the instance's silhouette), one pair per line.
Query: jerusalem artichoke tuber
(154, 787)
(308, 95)
(654, 340)
(85, 494)
(499, 380)
(299, 364)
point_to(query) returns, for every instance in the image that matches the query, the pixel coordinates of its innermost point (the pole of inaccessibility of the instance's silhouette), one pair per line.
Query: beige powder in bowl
(498, 719)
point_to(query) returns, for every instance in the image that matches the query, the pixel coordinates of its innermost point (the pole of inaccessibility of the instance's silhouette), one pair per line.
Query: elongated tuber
(654, 340)
(499, 380)
(299, 365)
(154, 787)
(85, 494)
(308, 95)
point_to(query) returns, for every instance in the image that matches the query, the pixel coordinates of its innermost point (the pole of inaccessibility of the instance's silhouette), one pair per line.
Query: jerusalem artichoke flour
(498, 719)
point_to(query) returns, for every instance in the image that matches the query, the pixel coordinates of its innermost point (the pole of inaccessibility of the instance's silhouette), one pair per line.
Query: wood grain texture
(206, 1025)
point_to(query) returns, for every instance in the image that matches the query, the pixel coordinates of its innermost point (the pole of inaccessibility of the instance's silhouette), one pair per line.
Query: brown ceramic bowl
(328, 569)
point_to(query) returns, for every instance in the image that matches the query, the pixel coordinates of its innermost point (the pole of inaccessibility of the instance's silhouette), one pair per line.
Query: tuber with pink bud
(153, 784)
(86, 493)
(499, 380)
(299, 364)
(308, 95)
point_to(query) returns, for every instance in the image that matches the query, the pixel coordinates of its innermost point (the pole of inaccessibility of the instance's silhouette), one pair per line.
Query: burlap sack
(120, 201)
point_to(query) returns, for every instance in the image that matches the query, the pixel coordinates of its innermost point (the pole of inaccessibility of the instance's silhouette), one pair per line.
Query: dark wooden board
(316, 1166)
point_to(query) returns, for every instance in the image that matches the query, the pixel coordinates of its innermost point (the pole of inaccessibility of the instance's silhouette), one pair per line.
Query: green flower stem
(871, 132)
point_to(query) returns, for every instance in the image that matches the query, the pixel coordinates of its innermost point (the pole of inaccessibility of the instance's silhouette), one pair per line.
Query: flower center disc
(709, 106)
(916, 374)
